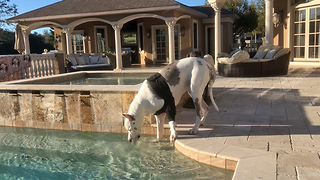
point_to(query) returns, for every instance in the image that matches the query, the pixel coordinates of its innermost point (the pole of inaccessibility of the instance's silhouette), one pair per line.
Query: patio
(269, 125)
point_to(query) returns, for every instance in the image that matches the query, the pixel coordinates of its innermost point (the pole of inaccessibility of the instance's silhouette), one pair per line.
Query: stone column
(26, 33)
(117, 32)
(217, 5)
(84, 40)
(68, 39)
(171, 24)
(269, 23)
(288, 23)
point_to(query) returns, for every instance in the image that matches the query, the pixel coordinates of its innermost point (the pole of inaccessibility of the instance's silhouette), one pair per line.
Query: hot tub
(61, 102)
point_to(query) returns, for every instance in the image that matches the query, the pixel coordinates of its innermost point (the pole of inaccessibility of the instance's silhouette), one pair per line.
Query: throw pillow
(73, 60)
(271, 54)
(260, 55)
(102, 60)
(87, 60)
(282, 52)
(93, 59)
(81, 60)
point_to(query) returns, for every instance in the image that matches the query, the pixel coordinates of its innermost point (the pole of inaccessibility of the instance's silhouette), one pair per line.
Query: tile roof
(69, 7)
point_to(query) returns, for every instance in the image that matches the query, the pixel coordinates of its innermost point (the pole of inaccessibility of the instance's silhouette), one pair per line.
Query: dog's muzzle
(134, 140)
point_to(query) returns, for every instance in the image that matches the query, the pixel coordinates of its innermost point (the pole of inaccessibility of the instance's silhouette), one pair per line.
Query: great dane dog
(160, 93)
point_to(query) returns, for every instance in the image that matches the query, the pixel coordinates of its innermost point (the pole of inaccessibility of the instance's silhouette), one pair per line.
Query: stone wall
(96, 111)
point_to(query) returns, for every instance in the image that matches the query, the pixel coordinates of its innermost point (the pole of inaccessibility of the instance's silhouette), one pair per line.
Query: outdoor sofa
(88, 62)
(268, 61)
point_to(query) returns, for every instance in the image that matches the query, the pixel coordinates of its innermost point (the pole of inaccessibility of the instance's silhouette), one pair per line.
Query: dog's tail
(210, 60)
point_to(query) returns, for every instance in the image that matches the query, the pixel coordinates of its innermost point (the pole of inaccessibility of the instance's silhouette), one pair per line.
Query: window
(314, 33)
(299, 34)
(195, 35)
(307, 33)
(77, 42)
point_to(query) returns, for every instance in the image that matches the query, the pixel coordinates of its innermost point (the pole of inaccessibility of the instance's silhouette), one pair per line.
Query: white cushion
(81, 60)
(221, 55)
(233, 52)
(93, 59)
(237, 57)
(225, 60)
(240, 56)
(260, 55)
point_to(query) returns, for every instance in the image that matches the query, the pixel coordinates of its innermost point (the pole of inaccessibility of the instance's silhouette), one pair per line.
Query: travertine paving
(280, 115)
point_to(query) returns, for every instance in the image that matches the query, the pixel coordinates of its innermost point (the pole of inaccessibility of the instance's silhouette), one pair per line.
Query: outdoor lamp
(182, 31)
(148, 33)
(276, 19)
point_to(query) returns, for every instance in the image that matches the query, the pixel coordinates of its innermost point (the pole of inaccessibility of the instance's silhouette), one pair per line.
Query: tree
(6, 10)
(248, 17)
(260, 8)
(37, 43)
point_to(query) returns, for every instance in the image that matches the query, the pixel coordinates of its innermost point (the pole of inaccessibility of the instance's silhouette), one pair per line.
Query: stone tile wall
(97, 111)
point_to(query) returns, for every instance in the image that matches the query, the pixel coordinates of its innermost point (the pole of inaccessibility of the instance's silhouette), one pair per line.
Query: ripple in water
(31, 154)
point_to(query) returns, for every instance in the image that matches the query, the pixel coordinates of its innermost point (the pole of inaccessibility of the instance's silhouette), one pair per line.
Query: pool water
(32, 154)
(127, 79)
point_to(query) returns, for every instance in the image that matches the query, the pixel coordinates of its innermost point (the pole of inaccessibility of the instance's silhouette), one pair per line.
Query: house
(158, 31)
(297, 26)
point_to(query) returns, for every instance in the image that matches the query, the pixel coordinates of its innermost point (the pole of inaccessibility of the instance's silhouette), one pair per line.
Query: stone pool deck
(269, 125)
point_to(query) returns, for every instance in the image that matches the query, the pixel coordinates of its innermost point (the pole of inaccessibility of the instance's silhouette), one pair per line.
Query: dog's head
(133, 127)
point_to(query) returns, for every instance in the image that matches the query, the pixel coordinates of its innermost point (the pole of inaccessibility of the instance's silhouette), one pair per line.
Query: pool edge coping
(246, 163)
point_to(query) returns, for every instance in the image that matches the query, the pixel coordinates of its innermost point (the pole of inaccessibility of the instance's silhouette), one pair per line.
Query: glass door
(161, 45)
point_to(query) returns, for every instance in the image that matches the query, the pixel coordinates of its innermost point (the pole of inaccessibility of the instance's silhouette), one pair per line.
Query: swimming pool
(51, 154)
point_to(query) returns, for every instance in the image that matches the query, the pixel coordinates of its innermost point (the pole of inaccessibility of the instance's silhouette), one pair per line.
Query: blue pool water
(32, 154)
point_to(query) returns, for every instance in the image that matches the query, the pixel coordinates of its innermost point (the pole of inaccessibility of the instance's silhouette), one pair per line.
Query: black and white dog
(160, 93)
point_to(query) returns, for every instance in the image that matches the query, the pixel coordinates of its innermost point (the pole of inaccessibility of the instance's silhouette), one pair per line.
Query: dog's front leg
(173, 132)
(160, 122)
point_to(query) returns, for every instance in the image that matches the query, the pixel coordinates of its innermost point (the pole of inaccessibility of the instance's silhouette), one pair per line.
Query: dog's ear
(129, 117)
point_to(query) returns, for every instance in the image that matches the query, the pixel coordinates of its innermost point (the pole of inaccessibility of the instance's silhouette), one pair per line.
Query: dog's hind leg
(160, 122)
(204, 112)
(197, 105)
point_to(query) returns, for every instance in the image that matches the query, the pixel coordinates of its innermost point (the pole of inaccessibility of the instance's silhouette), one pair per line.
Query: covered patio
(160, 31)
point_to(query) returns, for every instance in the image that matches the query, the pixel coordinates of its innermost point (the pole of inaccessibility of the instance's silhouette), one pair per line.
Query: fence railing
(250, 47)
(15, 67)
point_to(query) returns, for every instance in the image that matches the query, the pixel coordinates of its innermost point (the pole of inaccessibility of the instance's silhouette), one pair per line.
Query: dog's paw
(173, 137)
(192, 131)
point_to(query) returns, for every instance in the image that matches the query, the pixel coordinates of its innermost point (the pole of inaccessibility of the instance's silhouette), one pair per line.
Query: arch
(40, 24)
(122, 21)
(137, 16)
(81, 21)
(182, 17)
